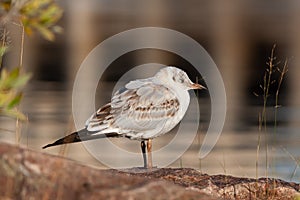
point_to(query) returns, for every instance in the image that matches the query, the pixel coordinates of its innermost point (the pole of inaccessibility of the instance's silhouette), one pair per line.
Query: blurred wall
(238, 35)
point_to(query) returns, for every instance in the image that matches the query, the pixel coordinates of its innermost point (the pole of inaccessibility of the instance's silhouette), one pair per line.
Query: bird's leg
(143, 146)
(149, 152)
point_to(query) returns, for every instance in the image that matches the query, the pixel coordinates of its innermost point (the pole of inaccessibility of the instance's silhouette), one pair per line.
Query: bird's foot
(149, 169)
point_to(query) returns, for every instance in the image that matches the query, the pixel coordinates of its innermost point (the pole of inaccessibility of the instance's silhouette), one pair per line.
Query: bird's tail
(79, 136)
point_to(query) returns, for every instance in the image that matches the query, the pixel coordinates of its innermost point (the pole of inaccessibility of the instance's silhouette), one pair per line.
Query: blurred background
(238, 35)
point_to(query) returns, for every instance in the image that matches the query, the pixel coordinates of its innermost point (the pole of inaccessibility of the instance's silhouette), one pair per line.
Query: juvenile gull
(142, 110)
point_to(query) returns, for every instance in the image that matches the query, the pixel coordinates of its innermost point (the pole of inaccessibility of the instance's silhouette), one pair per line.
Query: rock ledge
(27, 174)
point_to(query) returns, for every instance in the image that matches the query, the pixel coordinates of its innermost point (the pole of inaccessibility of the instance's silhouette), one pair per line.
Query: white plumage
(142, 110)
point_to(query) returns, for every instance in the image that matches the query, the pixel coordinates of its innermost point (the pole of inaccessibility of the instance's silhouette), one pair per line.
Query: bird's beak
(197, 86)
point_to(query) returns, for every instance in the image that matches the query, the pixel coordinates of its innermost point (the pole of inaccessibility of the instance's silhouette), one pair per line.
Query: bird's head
(176, 77)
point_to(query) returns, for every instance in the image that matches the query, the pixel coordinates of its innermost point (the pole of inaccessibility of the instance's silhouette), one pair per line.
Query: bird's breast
(184, 100)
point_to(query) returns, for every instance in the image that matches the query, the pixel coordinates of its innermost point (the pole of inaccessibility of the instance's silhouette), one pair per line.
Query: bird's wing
(139, 107)
(143, 106)
(100, 121)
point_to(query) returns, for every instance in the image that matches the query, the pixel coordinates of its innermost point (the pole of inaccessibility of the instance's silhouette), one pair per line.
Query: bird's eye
(181, 80)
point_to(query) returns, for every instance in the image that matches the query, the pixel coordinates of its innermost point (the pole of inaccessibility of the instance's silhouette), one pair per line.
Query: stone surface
(222, 186)
(27, 174)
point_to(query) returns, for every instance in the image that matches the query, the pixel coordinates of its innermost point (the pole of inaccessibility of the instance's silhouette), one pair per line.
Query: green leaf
(5, 98)
(15, 101)
(21, 80)
(41, 16)
(14, 73)
(12, 79)
(3, 50)
(10, 96)
(46, 33)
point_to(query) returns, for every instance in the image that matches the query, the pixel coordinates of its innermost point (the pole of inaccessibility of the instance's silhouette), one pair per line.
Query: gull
(142, 110)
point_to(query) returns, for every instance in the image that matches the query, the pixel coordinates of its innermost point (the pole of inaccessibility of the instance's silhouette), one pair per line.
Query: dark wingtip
(79, 136)
(46, 146)
(50, 145)
(73, 137)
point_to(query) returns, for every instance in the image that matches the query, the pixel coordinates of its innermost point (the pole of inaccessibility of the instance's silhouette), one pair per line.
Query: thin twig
(267, 84)
(22, 46)
(258, 145)
(282, 74)
(18, 125)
